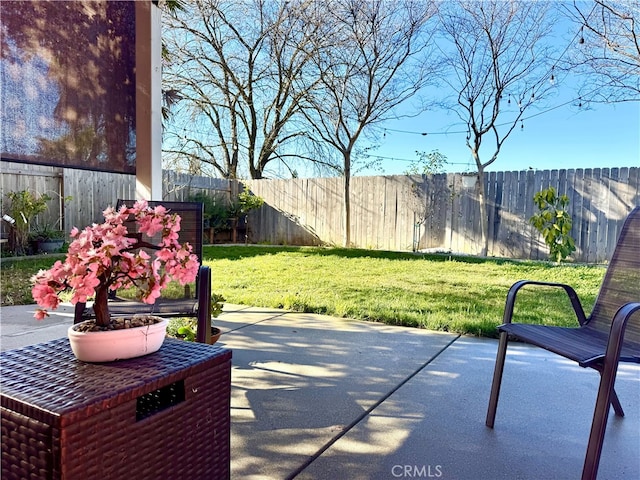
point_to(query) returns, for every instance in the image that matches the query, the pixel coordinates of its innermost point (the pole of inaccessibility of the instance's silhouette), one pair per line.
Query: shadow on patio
(314, 397)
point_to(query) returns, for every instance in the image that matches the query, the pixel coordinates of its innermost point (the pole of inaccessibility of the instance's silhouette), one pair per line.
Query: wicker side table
(165, 415)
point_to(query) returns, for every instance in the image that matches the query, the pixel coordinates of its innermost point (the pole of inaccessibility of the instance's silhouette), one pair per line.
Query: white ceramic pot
(112, 345)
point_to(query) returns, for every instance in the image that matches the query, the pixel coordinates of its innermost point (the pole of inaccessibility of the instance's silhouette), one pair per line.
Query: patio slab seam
(368, 411)
(241, 327)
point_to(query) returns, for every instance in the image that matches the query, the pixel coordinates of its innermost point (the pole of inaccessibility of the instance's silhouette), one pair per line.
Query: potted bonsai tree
(105, 257)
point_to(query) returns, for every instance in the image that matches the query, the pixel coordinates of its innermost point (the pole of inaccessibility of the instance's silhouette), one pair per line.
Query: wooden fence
(435, 212)
(89, 192)
(441, 212)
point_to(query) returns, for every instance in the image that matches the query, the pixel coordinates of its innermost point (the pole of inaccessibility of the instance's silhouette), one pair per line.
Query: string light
(569, 102)
(552, 80)
(396, 159)
(424, 134)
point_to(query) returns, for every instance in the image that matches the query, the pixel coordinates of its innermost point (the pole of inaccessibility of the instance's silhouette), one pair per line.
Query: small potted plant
(105, 257)
(239, 209)
(216, 212)
(187, 328)
(46, 239)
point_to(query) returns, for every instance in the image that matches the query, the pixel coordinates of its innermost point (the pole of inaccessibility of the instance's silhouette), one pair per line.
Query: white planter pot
(112, 345)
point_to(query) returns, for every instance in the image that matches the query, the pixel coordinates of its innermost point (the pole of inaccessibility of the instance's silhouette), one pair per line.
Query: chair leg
(497, 379)
(605, 397)
(615, 402)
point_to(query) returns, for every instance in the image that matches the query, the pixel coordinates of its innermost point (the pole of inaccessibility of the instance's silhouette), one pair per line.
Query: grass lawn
(15, 287)
(437, 292)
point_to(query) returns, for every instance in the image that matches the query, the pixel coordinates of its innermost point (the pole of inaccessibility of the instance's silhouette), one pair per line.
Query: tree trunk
(347, 200)
(484, 218)
(100, 306)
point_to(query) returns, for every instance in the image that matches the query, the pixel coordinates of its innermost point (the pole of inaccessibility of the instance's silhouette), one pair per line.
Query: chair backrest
(621, 282)
(191, 225)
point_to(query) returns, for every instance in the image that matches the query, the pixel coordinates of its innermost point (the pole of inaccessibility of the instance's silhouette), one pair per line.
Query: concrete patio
(315, 397)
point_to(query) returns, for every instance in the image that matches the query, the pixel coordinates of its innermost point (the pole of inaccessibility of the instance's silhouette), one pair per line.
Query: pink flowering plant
(107, 257)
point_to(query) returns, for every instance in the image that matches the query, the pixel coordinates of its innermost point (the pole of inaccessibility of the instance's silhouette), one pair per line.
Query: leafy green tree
(554, 223)
(427, 163)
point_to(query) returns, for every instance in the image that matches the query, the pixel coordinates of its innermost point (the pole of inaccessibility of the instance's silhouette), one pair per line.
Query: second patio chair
(611, 334)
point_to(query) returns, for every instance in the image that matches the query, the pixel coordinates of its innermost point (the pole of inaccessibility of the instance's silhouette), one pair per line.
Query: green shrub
(216, 209)
(554, 223)
(24, 207)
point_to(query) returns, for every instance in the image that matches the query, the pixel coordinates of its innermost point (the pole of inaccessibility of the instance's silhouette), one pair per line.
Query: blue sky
(558, 133)
(594, 136)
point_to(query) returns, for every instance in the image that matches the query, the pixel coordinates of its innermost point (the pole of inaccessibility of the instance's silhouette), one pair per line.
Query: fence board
(381, 219)
(508, 232)
(440, 205)
(578, 211)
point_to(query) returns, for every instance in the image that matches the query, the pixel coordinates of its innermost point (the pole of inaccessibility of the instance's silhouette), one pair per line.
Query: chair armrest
(571, 293)
(618, 326)
(203, 334)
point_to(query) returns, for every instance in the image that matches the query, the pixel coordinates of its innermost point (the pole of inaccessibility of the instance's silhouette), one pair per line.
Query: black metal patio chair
(195, 304)
(609, 335)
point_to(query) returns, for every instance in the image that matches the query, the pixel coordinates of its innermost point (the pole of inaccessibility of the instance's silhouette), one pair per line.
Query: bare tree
(169, 97)
(238, 71)
(499, 68)
(368, 67)
(607, 49)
